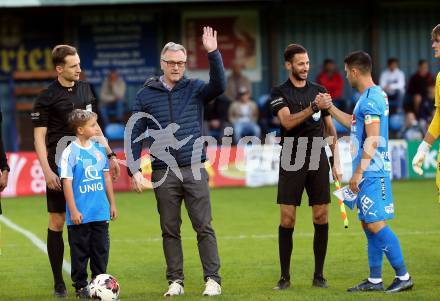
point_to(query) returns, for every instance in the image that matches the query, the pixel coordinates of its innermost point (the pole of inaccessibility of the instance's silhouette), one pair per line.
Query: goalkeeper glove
(420, 157)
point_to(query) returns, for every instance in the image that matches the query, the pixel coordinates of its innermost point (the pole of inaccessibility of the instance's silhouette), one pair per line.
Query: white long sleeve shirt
(395, 80)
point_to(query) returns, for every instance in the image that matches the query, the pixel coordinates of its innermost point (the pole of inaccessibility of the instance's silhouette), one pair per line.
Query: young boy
(88, 190)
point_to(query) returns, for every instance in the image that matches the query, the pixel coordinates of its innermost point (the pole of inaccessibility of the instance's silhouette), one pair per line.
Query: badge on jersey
(89, 108)
(316, 116)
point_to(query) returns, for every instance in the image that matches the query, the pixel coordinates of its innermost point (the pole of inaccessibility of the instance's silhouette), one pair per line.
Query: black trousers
(88, 241)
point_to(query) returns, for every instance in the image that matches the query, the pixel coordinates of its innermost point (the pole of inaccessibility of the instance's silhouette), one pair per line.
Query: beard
(296, 75)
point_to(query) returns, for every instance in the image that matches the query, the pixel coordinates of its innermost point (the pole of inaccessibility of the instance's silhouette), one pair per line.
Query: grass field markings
(33, 238)
(271, 236)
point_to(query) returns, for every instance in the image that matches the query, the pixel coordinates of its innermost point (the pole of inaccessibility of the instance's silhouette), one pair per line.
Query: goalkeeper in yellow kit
(434, 128)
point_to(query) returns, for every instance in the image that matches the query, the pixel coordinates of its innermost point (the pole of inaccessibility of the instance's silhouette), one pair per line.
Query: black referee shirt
(297, 99)
(3, 159)
(53, 105)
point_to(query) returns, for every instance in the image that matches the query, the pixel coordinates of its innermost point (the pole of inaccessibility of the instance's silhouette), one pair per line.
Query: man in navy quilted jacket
(168, 116)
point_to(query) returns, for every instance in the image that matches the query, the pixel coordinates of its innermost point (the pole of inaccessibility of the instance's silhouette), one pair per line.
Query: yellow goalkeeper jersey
(437, 90)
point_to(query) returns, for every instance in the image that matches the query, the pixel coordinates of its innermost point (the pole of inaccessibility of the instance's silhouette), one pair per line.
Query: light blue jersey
(371, 107)
(86, 167)
(375, 199)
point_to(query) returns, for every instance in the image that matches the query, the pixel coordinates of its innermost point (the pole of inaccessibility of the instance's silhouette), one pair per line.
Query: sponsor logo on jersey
(389, 209)
(91, 174)
(366, 204)
(277, 101)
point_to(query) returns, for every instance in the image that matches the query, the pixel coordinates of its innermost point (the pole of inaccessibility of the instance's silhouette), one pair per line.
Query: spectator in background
(427, 109)
(412, 129)
(216, 117)
(3, 164)
(237, 80)
(333, 81)
(112, 97)
(418, 88)
(243, 115)
(268, 122)
(392, 81)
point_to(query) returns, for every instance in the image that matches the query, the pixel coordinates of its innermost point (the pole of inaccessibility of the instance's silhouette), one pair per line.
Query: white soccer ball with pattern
(104, 287)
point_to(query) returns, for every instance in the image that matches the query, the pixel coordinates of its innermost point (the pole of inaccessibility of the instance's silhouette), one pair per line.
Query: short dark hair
(78, 118)
(392, 60)
(360, 60)
(60, 52)
(421, 62)
(435, 31)
(328, 61)
(291, 50)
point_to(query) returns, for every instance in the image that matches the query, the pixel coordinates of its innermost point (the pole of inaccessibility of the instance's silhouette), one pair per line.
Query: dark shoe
(83, 293)
(399, 285)
(60, 290)
(319, 281)
(282, 284)
(366, 286)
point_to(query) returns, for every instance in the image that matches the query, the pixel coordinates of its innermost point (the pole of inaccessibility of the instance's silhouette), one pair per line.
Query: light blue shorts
(375, 200)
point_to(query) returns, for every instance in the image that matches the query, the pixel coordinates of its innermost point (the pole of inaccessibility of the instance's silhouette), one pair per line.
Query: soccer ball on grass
(104, 287)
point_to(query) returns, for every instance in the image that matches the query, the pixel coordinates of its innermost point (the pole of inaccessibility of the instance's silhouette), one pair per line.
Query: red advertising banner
(225, 168)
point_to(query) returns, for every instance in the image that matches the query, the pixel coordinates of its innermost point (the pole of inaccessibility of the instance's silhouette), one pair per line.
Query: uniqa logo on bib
(316, 116)
(91, 174)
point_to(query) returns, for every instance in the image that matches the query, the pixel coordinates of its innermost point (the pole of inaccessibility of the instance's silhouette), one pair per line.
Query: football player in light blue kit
(371, 173)
(88, 190)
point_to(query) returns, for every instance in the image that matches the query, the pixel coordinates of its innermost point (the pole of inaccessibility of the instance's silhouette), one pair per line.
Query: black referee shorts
(291, 184)
(56, 203)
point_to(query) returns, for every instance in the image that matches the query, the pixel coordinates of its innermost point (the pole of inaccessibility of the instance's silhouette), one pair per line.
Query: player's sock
(389, 243)
(320, 247)
(285, 244)
(55, 250)
(375, 257)
(404, 277)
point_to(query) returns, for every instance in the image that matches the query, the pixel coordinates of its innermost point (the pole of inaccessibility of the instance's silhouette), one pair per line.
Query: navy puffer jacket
(179, 113)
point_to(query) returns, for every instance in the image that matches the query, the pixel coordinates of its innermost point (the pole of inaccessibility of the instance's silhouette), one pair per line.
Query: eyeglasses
(172, 64)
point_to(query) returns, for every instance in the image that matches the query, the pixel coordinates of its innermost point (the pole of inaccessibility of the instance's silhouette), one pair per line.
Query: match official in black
(3, 163)
(303, 161)
(50, 115)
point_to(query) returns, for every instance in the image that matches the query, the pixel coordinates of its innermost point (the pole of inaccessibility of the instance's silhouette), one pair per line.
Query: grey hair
(171, 46)
(79, 118)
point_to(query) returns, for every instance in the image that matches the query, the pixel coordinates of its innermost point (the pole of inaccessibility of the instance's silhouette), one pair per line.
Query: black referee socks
(320, 247)
(55, 250)
(285, 244)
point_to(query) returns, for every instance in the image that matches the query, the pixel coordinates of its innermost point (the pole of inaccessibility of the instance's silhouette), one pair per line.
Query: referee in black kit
(49, 117)
(3, 163)
(304, 163)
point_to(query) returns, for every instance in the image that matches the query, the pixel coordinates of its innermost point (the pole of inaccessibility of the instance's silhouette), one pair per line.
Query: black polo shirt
(53, 105)
(3, 159)
(297, 99)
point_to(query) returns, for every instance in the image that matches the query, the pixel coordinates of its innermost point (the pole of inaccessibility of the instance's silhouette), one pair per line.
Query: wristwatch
(112, 154)
(315, 107)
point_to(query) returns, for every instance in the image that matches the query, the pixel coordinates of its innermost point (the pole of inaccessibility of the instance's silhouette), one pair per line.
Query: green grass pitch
(246, 222)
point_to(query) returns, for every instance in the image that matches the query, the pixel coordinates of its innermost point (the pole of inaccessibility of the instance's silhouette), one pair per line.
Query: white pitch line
(33, 238)
(270, 236)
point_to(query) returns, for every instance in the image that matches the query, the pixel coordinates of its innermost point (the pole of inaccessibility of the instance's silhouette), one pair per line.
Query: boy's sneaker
(212, 288)
(400, 285)
(366, 286)
(319, 281)
(60, 290)
(282, 284)
(174, 289)
(82, 293)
